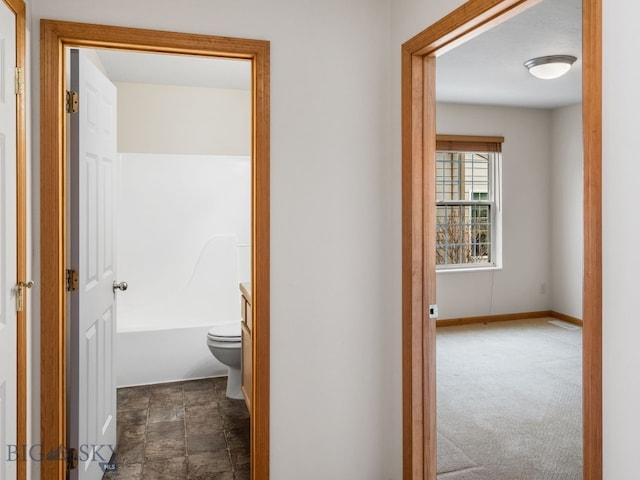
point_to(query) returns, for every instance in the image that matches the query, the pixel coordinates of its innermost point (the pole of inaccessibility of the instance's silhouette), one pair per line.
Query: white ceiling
(156, 68)
(486, 70)
(489, 68)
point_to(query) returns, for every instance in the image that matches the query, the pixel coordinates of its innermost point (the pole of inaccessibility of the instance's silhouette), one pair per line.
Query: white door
(92, 388)
(8, 254)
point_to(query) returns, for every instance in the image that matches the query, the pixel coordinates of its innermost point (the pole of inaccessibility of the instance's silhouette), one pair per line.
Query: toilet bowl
(225, 344)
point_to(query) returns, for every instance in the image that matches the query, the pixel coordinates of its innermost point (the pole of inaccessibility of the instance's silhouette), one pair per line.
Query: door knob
(120, 286)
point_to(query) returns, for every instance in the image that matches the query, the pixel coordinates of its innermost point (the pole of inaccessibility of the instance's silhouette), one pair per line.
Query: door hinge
(73, 102)
(72, 458)
(433, 311)
(72, 280)
(19, 80)
(19, 298)
(20, 292)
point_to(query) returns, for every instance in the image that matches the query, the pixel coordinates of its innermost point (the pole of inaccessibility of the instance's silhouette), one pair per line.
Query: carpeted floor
(510, 401)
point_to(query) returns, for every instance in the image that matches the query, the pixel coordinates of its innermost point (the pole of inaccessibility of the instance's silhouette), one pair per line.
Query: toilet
(225, 344)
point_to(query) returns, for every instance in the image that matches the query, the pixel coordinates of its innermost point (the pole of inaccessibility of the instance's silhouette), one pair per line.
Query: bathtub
(165, 340)
(164, 355)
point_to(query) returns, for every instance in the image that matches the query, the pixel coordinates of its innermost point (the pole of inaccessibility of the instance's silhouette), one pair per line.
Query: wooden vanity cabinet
(245, 311)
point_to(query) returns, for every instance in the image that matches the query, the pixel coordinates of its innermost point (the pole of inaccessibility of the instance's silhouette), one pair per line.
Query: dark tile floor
(184, 430)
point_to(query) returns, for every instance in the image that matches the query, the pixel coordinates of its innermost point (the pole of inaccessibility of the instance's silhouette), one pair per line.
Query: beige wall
(177, 119)
(567, 235)
(335, 355)
(522, 284)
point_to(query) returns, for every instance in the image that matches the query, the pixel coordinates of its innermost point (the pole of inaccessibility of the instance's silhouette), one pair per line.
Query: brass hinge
(72, 458)
(73, 102)
(19, 80)
(20, 294)
(72, 280)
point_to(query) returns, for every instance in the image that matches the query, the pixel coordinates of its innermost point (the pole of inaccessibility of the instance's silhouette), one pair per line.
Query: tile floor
(184, 430)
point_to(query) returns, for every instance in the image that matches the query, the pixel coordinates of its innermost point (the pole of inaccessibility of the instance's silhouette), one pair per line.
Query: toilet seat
(226, 332)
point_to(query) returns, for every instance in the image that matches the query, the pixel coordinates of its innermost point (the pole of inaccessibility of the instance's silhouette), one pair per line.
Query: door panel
(8, 252)
(92, 390)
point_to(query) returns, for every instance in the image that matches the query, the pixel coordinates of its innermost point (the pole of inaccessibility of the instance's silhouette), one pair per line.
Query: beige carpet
(509, 401)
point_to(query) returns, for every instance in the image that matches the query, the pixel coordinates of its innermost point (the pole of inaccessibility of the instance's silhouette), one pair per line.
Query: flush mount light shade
(552, 66)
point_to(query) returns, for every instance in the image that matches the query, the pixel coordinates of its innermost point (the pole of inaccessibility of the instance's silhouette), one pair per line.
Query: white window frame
(481, 145)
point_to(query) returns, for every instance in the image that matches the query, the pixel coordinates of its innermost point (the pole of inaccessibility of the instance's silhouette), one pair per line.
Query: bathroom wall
(523, 282)
(567, 213)
(179, 119)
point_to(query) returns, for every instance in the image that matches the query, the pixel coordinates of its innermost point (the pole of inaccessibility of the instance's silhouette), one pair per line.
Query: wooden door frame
(418, 238)
(55, 36)
(19, 9)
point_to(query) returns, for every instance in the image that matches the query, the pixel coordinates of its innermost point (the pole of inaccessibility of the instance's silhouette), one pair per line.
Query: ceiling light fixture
(551, 66)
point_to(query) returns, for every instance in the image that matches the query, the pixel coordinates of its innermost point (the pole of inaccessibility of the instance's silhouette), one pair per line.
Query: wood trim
(19, 9)
(567, 318)
(52, 254)
(54, 37)
(450, 322)
(429, 264)
(592, 282)
(412, 258)
(260, 295)
(469, 20)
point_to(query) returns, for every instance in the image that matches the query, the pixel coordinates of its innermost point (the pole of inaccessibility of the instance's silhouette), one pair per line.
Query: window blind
(468, 143)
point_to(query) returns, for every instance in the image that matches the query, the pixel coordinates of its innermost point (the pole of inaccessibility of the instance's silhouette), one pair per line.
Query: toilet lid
(226, 332)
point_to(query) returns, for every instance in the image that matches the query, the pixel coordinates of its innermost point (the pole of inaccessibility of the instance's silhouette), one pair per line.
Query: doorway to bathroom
(62, 34)
(171, 216)
(183, 208)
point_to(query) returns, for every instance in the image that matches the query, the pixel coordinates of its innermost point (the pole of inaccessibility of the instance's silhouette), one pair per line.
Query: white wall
(566, 210)
(621, 264)
(523, 282)
(336, 249)
(178, 119)
(335, 347)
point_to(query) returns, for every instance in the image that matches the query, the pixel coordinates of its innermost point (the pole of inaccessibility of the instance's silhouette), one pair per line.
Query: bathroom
(184, 184)
(183, 234)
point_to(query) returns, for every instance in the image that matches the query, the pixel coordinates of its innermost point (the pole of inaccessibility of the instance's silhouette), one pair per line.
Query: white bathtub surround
(169, 207)
(183, 235)
(211, 292)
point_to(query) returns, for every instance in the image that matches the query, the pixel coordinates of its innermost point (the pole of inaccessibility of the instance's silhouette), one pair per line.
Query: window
(467, 211)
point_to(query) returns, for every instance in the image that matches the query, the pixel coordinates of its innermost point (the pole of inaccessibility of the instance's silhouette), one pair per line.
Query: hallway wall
(336, 241)
(329, 118)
